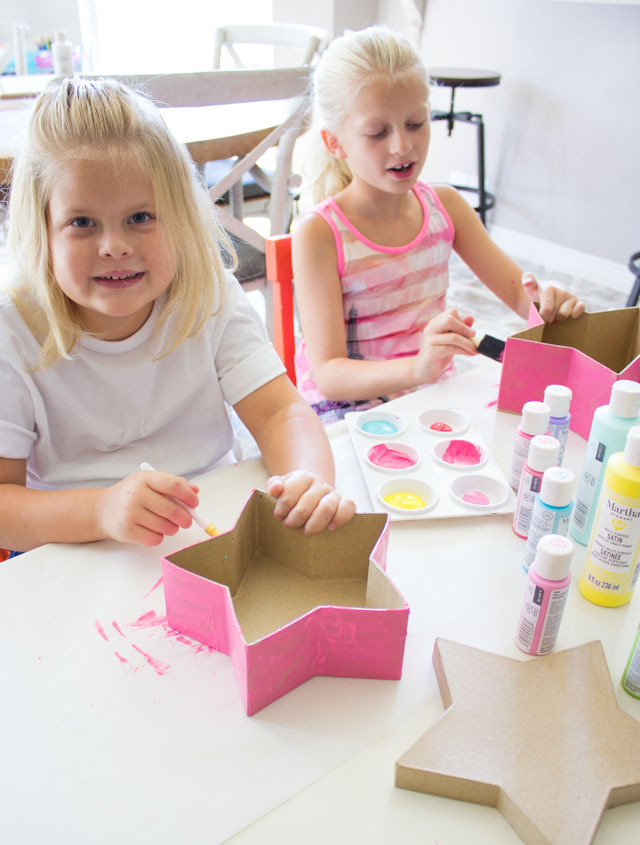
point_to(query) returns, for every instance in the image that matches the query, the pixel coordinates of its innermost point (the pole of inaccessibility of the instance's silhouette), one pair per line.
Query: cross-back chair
(292, 45)
(233, 88)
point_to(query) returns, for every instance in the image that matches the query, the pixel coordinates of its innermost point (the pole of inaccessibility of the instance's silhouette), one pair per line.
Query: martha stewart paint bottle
(545, 595)
(608, 435)
(611, 565)
(543, 453)
(631, 676)
(535, 420)
(558, 398)
(551, 509)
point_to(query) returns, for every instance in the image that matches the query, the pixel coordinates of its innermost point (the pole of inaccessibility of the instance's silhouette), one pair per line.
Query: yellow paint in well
(406, 501)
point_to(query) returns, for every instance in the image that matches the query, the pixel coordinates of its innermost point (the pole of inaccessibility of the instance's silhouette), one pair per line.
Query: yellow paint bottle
(611, 565)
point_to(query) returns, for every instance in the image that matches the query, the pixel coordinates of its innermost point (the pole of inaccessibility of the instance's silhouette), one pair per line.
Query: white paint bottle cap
(558, 398)
(535, 418)
(557, 486)
(543, 452)
(553, 557)
(625, 398)
(632, 447)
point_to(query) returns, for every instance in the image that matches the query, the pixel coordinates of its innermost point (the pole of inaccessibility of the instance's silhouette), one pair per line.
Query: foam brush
(490, 346)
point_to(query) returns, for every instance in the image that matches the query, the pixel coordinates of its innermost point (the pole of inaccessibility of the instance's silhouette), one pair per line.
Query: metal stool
(449, 77)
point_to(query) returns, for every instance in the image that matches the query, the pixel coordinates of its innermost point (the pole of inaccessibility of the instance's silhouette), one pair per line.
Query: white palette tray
(427, 464)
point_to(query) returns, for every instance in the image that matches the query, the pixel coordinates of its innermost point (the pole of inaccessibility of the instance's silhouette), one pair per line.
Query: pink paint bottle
(543, 453)
(535, 420)
(545, 595)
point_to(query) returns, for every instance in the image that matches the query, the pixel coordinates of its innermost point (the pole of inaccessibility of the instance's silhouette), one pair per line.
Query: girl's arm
(319, 300)
(295, 448)
(499, 272)
(135, 510)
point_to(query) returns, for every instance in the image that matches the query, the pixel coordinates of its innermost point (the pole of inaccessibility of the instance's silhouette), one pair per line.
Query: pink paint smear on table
(462, 453)
(150, 620)
(382, 456)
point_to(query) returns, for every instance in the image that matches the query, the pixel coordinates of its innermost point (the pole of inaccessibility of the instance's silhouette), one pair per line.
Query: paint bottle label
(611, 566)
(560, 431)
(545, 521)
(530, 618)
(520, 453)
(631, 675)
(529, 490)
(592, 469)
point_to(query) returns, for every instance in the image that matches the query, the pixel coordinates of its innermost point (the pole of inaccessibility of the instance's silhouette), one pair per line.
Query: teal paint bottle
(609, 429)
(551, 510)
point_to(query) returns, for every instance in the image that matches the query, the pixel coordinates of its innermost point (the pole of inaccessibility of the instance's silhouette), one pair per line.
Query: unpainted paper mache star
(542, 740)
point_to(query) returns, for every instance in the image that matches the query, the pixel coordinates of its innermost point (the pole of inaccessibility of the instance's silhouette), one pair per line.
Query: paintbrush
(197, 517)
(490, 346)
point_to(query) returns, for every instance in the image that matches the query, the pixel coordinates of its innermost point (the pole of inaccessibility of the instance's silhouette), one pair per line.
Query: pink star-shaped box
(286, 606)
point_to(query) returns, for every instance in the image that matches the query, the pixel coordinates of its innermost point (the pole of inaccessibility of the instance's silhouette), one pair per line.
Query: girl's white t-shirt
(91, 421)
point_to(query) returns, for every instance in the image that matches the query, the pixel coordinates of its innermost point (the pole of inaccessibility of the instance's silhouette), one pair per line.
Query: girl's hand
(306, 501)
(444, 336)
(556, 304)
(141, 508)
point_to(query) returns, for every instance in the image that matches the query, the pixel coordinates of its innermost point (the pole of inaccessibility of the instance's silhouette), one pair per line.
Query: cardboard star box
(286, 606)
(588, 355)
(512, 737)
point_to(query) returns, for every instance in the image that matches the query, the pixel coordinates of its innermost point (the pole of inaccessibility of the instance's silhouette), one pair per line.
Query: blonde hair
(350, 62)
(104, 120)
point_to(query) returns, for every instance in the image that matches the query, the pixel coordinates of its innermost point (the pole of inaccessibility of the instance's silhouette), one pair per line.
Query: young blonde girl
(122, 337)
(371, 262)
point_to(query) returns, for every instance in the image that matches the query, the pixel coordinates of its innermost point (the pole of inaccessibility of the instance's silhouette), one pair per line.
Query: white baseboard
(563, 259)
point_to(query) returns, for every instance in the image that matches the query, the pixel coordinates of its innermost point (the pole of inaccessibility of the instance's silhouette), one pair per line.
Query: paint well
(462, 453)
(382, 456)
(381, 427)
(405, 500)
(475, 497)
(440, 426)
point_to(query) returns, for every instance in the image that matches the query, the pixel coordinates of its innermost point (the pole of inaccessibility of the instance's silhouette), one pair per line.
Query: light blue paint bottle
(558, 398)
(608, 435)
(551, 510)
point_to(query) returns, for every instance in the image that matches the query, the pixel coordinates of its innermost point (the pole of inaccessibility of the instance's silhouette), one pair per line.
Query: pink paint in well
(384, 457)
(462, 453)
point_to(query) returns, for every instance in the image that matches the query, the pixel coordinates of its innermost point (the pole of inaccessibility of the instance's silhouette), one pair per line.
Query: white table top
(141, 737)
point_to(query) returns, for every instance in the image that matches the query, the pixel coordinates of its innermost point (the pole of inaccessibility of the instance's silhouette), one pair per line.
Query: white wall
(43, 17)
(562, 128)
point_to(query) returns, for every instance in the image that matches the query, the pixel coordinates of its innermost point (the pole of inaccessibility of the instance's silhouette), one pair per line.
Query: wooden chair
(279, 86)
(293, 45)
(307, 41)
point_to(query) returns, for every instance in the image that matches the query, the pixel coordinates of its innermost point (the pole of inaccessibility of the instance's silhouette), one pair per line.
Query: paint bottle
(558, 398)
(62, 54)
(551, 509)
(545, 595)
(631, 676)
(535, 420)
(543, 453)
(611, 566)
(608, 435)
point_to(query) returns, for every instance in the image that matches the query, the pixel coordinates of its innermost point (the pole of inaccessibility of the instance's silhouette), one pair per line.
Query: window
(159, 36)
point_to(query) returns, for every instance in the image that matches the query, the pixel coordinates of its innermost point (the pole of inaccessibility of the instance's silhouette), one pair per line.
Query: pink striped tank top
(389, 294)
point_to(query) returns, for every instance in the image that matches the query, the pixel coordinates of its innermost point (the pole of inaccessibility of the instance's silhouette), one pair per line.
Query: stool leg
(482, 195)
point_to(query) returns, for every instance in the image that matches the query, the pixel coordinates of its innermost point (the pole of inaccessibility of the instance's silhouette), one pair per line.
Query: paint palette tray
(427, 464)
